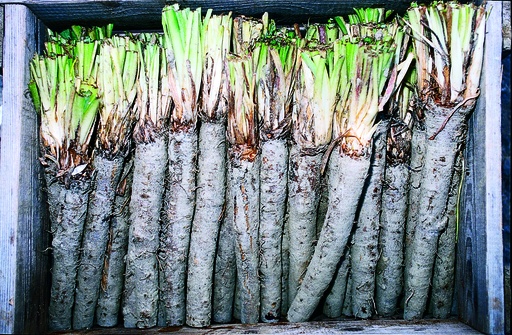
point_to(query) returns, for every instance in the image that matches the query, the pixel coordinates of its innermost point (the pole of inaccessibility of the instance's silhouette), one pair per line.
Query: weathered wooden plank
(23, 237)
(1, 33)
(444, 327)
(135, 14)
(480, 248)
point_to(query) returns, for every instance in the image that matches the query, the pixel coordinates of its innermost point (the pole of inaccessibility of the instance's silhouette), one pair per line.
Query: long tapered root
(437, 172)
(245, 196)
(68, 208)
(211, 188)
(177, 218)
(304, 184)
(273, 180)
(141, 282)
(112, 282)
(95, 239)
(346, 181)
(364, 251)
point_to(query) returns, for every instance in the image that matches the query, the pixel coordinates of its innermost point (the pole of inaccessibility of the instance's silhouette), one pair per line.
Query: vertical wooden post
(23, 233)
(480, 246)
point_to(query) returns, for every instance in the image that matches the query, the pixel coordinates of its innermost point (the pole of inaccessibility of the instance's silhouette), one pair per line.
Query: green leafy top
(63, 88)
(242, 131)
(449, 39)
(118, 74)
(184, 32)
(214, 90)
(316, 95)
(154, 95)
(276, 71)
(364, 77)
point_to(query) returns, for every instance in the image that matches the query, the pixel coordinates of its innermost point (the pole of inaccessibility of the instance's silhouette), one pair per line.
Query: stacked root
(230, 170)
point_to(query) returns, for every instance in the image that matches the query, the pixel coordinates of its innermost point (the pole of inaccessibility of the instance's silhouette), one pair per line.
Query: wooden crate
(24, 273)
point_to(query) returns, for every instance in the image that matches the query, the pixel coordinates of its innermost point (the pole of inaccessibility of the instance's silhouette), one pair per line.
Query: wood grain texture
(339, 327)
(146, 15)
(480, 249)
(23, 237)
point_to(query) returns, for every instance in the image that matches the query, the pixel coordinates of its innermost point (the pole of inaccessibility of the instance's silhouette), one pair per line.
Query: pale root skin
(443, 279)
(418, 143)
(112, 282)
(303, 185)
(245, 195)
(211, 189)
(68, 208)
(95, 239)
(273, 180)
(141, 281)
(333, 306)
(178, 212)
(224, 278)
(364, 252)
(389, 279)
(346, 181)
(437, 173)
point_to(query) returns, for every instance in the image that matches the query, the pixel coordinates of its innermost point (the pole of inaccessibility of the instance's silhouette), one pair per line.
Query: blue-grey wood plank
(23, 235)
(480, 248)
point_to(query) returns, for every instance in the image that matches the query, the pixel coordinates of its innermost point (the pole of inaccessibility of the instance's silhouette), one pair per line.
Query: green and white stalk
(316, 91)
(184, 33)
(246, 31)
(211, 172)
(67, 100)
(153, 106)
(275, 80)
(319, 34)
(364, 71)
(449, 41)
(244, 183)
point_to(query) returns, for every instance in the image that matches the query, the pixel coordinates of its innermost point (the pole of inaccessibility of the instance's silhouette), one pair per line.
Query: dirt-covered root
(141, 281)
(440, 154)
(245, 195)
(333, 305)
(303, 185)
(346, 180)
(224, 278)
(95, 239)
(178, 212)
(418, 147)
(68, 209)
(273, 181)
(364, 252)
(389, 278)
(211, 189)
(112, 282)
(443, 278)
